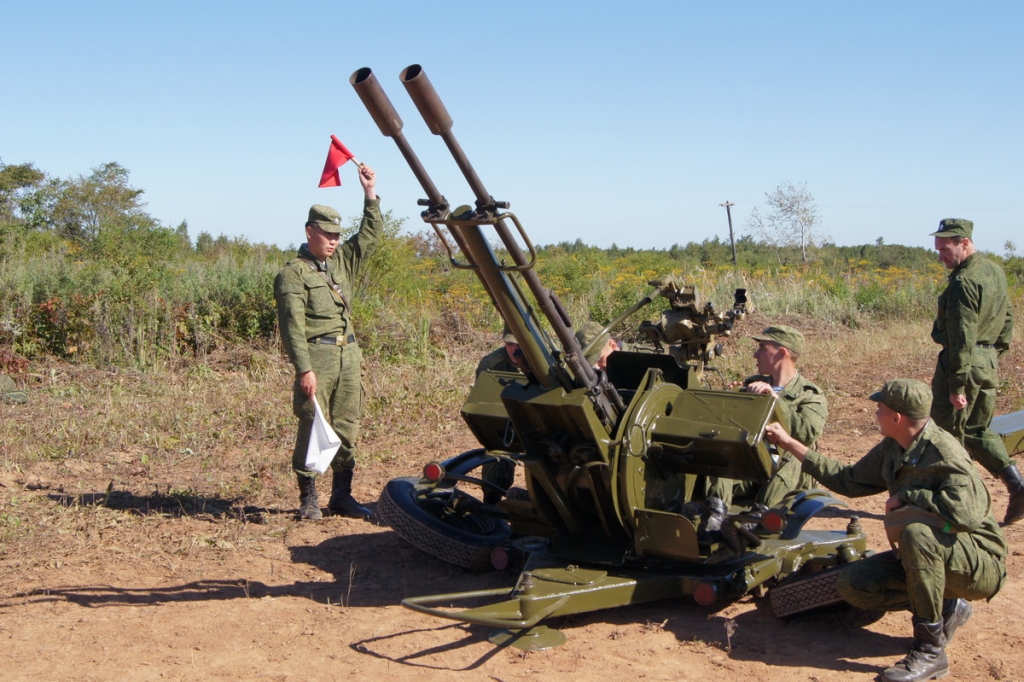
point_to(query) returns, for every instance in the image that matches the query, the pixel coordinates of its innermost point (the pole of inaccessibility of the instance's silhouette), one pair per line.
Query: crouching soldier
(948, 549)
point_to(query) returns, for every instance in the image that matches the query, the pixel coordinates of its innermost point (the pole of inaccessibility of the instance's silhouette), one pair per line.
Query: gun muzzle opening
(426, 99)
(376, 102)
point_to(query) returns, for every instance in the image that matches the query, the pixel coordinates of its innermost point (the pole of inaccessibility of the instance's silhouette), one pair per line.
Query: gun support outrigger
(611, 460)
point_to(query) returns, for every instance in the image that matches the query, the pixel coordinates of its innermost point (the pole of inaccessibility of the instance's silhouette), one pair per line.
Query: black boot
(955, 612)
(492, 496)
(500, 474)
(309, 504)
(927, 660)
(342, 503)
(1015, 486)
(717, 511)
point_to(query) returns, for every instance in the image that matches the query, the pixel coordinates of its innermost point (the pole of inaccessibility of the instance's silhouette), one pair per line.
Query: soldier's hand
(893, 503)
(307, 384)
(777, 436)
(958, 401)
(759, 387)
(368, 179)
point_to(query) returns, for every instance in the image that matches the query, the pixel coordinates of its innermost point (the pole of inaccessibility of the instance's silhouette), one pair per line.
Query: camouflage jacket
(973, 310)
(804, 405)
(498, 360)
(307, 307)
(935, 473)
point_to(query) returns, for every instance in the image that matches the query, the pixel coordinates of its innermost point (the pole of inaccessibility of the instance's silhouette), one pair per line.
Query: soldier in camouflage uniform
(948, 548)
(504, 359)
(313, 291)
(803, 405)
(508, 358)
(973, 325)
(605, 346)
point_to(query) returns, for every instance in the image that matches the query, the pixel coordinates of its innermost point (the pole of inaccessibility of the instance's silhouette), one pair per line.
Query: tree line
(87, 274)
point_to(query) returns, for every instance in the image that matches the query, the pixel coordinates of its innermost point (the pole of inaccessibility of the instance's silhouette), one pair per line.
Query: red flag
(337, 156)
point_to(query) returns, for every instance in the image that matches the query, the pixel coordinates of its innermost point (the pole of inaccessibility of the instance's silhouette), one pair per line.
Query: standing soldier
(973, 325)
(313, 292)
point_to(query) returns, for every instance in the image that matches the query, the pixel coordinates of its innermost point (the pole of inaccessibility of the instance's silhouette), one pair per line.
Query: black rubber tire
(802, 593)
(399, 508)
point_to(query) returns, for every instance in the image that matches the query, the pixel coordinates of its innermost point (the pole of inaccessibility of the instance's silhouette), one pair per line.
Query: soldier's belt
(335, 340)
(984, 345)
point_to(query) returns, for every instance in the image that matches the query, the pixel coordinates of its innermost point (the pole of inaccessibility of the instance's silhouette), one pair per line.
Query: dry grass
(192, 461)
(195, 458)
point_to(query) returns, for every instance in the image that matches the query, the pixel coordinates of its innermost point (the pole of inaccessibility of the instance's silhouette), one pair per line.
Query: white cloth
(323, 443)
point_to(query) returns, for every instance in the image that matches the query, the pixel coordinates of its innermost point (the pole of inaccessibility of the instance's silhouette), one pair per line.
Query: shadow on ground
(170, 504)
(377, 568)
(368, 570)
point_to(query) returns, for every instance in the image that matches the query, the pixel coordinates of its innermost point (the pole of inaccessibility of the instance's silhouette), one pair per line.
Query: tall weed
(114, 302)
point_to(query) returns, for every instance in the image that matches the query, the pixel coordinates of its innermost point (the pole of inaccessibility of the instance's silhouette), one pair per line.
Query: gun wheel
(464, 539)
(807, 592)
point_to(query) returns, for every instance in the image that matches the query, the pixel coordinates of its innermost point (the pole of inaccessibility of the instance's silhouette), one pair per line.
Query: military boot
(1015, 486)
(717, 511)
(309, 503)
(500, 474)
(955, 612)
(927, 660)
(342, 503)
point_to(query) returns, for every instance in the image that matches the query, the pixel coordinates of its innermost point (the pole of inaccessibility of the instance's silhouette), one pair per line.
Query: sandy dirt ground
(251, 593)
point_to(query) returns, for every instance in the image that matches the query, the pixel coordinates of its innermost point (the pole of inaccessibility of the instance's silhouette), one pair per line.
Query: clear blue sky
(604, 121)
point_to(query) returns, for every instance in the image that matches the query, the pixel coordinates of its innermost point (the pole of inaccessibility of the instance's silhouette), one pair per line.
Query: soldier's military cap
(589, 332)
(907, 396)
(954, 227)
(326, 217)
(507, 336)
(785, 336)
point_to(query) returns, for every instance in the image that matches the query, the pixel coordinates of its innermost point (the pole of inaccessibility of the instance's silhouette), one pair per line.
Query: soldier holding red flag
(313, 293)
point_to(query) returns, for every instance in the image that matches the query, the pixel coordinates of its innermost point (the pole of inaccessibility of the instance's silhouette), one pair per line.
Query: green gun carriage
(613, 460)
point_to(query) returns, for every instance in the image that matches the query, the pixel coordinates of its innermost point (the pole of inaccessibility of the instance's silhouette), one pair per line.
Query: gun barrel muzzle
(425, 97)
(376, 102)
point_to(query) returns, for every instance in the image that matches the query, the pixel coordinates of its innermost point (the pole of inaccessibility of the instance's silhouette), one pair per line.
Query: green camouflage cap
(588, 333)
(909, 397)
(955, 227)
(785, 336)
(507, 336)
(326, 217)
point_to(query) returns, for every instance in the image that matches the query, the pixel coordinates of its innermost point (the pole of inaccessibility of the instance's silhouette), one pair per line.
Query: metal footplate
(805, 593)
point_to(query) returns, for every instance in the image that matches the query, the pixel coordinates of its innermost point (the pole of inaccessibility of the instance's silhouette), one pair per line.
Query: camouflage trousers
(971, 424)
(932, 566)
(786, 479)
(339, 391)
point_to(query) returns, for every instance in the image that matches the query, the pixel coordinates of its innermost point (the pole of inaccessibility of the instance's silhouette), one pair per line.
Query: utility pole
(732, 240)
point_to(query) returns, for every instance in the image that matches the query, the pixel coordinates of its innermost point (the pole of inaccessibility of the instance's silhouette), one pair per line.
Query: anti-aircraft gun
(612, 461)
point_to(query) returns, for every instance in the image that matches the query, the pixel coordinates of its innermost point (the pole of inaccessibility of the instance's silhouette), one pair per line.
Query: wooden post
(732, 240)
